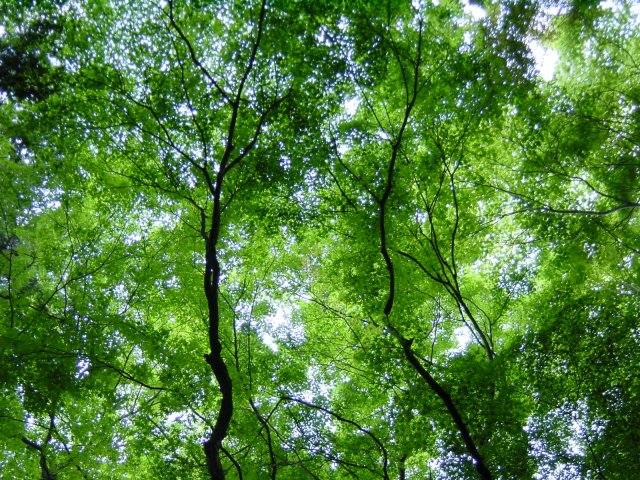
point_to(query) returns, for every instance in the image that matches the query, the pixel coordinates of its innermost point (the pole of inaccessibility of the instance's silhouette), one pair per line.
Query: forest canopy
(319, 239)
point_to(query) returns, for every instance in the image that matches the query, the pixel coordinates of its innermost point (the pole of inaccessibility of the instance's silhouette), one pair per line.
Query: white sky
(545, 58)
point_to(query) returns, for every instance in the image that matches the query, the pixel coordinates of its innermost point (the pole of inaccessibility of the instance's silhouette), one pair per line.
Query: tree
(312, 240)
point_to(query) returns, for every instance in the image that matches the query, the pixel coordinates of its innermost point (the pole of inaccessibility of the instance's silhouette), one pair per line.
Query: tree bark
(481, 467)
(212, 447)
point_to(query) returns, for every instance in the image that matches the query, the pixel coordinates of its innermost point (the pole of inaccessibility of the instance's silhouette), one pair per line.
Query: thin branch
(194, 57)
(234, 461)
(340, 418)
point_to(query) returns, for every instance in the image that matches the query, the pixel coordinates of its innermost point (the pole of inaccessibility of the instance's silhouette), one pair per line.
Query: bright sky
(545, 58)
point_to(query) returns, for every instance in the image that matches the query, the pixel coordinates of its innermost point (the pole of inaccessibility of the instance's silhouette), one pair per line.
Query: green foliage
(428, 256)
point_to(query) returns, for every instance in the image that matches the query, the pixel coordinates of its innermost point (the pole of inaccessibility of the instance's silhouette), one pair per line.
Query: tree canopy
(319, 239)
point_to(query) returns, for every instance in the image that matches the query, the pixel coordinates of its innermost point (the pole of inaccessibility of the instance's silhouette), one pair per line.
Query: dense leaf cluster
(313, 239)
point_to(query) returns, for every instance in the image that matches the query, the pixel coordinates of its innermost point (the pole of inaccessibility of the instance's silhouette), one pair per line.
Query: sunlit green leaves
(506, 207)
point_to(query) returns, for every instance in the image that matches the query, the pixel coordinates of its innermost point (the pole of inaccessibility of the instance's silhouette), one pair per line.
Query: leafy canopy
(321, 240)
